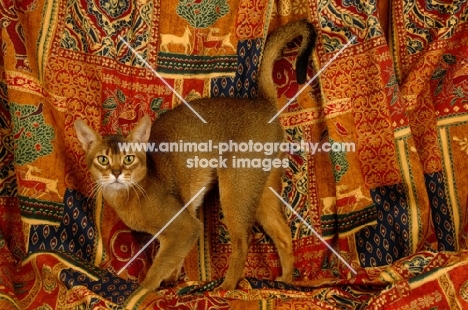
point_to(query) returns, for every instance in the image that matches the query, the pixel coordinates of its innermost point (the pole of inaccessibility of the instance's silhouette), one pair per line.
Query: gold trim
(98, 220)
(202, 271)
(45, 40)
(402, 132)
(450, 182)
(452, 120)
(412, 205)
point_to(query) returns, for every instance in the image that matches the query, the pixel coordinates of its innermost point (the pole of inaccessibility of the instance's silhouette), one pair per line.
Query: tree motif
(32, 136)
(202, 13)
(339, 162)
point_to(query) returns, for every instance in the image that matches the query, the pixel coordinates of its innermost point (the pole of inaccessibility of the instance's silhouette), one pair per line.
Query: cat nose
(116, 172)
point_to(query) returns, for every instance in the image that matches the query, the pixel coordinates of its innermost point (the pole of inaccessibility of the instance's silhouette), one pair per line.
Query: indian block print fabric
(394, 209)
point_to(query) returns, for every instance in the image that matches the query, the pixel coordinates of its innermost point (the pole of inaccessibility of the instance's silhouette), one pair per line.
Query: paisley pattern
(394, 208)
(92, 27)
(8, 186)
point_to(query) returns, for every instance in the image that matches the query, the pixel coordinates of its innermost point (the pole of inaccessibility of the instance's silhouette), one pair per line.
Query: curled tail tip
(302, 59)
(273, 47)
(305, 29)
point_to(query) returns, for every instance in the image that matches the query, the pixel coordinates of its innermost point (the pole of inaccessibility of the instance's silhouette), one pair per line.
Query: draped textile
(393, 208)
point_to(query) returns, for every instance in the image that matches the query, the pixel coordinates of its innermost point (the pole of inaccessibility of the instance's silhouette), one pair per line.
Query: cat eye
(103, 160)
(128, 160)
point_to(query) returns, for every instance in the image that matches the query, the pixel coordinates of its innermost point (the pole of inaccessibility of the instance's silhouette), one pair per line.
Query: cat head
(112, 166)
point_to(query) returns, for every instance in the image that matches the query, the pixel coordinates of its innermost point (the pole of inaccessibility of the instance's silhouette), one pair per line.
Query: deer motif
(184, 40)
(342, 199)
(50, 186)
(38, 187)
(207, 45)
(218, 41)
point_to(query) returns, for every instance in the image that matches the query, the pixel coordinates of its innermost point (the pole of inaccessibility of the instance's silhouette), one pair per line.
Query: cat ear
(86, 134)
(142, 130)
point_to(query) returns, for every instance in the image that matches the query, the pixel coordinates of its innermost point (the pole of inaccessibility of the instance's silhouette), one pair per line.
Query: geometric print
(76, 233)
(111, 288)
(243, 85)
(389, 240)
(76, 58)
(441, 217)
(41, 210)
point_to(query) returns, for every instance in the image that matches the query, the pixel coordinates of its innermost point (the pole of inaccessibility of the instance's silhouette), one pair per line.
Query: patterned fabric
(394, 208)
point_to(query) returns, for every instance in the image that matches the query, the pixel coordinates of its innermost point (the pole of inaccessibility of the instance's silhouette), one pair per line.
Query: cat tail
(272, 51)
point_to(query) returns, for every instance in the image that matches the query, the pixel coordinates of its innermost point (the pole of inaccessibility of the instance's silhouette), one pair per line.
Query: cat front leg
(175, 243)
(172, 279)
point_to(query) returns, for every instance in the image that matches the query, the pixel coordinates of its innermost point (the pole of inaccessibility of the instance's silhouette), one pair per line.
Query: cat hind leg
(239, 198)
(273, 220)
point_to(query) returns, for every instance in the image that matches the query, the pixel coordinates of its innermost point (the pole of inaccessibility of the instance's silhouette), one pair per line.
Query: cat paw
(285, 279)
(226, 286)
(168, 283)
(150, 285)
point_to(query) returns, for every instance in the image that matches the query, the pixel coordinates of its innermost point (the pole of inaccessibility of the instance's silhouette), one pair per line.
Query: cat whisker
(128, 191)
(136, 193)
(94, 190)
(136, 186)
(140, 188)
(98, 184)
(91, 191)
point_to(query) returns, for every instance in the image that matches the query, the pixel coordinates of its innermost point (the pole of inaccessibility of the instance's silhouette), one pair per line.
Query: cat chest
(132, 217)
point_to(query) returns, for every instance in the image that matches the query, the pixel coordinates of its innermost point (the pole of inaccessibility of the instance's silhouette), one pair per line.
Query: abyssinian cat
(147, 189)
